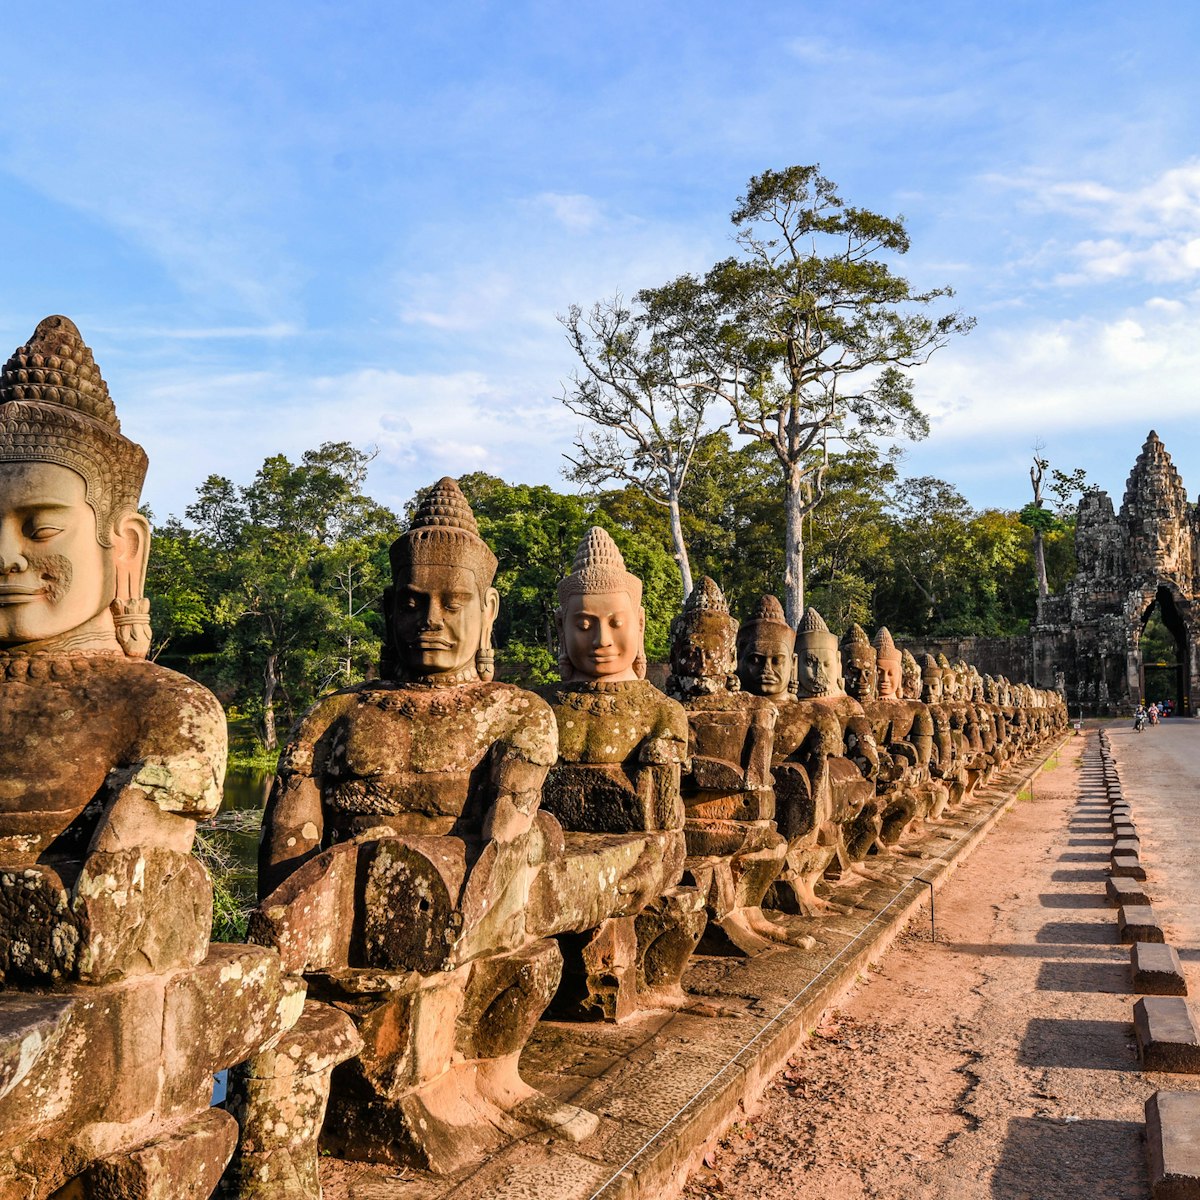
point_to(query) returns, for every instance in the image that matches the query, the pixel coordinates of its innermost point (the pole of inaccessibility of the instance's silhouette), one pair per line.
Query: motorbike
(1139, 722)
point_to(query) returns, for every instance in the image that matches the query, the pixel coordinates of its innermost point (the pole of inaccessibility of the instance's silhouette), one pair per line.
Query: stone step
(1121, 813)
(1173, 1145)
(1125, 847)
(1138, 923)
(1127, 833)
(1156, 970)
(1167, 1038)
(1127, 865)
(1126, 891)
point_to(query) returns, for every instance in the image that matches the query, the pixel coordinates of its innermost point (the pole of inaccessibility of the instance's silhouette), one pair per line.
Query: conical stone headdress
(599, 567)
(55, 407)
(705, 606)
(856, 635)
(444, 533)
(812, 631)
(885, 646)
(768, 613)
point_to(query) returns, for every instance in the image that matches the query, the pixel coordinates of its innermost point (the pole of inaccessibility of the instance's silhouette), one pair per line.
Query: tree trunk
(681, 551)
(793, 561)
(1039, 559)
(270, 683)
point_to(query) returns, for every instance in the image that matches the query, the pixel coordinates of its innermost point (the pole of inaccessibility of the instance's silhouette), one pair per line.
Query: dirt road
(997, 1061)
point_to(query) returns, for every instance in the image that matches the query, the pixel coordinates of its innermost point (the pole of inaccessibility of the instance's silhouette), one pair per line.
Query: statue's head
(703, 643)
(601, 622)
(818, 663)
(910, 671)
(975, 683)
(890, 664)
(931, 680)
(766, 649)
(441, 606)
(73, 547)
(950, 689)
(859, 670)
(991, 690)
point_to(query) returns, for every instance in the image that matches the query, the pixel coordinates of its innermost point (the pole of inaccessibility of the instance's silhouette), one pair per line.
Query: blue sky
(279, 224)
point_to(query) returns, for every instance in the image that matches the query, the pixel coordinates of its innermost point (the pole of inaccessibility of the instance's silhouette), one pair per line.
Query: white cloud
(422, 426)
(1147, 232)
(578, 213)
(1077, 375)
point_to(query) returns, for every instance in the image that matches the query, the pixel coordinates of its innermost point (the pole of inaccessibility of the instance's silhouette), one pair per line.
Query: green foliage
(1039, 519)
(285, 573)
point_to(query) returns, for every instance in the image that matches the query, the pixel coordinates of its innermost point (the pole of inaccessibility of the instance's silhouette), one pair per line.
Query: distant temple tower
(1129, 563)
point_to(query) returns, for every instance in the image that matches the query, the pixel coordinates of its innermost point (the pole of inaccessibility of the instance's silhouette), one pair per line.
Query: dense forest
(801, 344)
(270, 591)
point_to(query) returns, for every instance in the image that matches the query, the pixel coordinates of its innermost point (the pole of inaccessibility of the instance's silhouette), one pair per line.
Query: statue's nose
(12, 561)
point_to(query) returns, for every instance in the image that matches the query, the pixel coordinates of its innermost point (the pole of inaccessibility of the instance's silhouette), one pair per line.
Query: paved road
(996, 1063)
(1160, 771)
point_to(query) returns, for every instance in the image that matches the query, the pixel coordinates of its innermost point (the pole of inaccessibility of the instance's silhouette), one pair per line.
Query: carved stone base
(279, 1098)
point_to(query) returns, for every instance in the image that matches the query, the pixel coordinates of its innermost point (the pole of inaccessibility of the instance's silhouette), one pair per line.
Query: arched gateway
(1126, 627)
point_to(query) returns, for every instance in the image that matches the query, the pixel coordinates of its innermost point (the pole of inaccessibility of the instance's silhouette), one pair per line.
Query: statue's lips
(11, 593)
(434, 644)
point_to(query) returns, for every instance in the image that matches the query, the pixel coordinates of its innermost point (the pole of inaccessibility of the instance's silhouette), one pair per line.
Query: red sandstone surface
(995, 1062)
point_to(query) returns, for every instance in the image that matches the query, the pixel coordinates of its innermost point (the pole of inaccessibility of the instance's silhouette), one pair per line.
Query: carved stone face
(949, 684)
(765, 663)
(819, 669)
(706, 650)
(890, 683)
(439, 618)
(859, 671)
(602, 635)
(931, 687)
(54, 574)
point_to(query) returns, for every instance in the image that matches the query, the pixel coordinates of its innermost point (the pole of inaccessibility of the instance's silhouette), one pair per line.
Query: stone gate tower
(1129, 562)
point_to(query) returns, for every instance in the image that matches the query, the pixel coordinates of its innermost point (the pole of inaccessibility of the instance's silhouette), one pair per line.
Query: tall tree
(650, 397)
(299, 557)
(818, 334)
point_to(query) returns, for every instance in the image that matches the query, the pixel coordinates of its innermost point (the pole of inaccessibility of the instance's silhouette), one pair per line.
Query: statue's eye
(43, 533)
(617, 623)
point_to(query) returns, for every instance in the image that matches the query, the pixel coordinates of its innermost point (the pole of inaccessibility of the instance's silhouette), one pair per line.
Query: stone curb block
(1138, 923)
(1166, 1034)
(1173, 1145)
(1156, 970)
(1122, 890)
(1127, 865)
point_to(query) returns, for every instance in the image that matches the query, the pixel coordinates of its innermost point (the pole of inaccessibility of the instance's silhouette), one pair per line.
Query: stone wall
(1011, 657)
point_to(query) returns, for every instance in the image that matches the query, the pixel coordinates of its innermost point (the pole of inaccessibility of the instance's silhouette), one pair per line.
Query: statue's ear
(131, 549)
(129, 606)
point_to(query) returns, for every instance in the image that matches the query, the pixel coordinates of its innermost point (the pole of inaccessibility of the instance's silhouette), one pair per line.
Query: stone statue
(947, 758)
(114, 1009)
(621, 746)
(819, 678)
(814, 781)
(734, 849)
(903, 732)
(400, 848)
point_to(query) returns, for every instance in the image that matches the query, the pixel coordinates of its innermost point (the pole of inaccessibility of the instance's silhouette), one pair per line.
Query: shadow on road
(1064, 1155)
(1083, 976)
(1089, 1045)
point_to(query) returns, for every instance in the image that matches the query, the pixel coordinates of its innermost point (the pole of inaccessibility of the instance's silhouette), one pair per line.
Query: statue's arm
(518, 771)
(293, 824)
(760, 745)
(176, 775)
